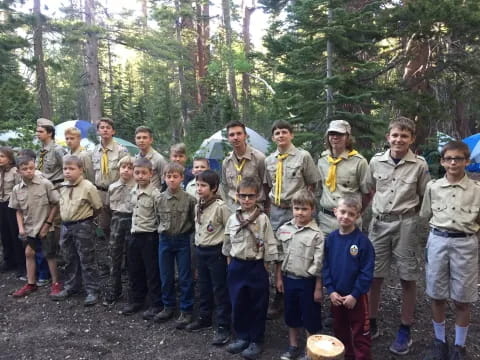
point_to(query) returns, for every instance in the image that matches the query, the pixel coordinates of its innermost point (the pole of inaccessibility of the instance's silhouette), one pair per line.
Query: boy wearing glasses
(398, 178)
(249, 244)
(452, 204)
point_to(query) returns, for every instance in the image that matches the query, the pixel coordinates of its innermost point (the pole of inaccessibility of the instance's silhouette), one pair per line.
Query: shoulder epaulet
(476, 182)
(419, 157)
(379, 154)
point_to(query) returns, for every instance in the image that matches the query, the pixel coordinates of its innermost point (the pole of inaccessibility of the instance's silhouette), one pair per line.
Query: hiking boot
(237, 346)
(150, 313)
(183, 320)
(221, 337)
(164, 315)
(131, 308)
(25, 290)
(90, 300)
(403, 341)
(275, 308)
(458, 353)
(438, 351)
(55, 289)
(292, 353)
(62, 295)
(43, 282)
(110, 298)
(252, 352)
(198, 325)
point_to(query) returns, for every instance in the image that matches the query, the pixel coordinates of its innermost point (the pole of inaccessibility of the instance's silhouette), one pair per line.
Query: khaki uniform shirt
(119, 196)
(399, 187)
(158, 162)
(299, 171)
(211, 231)
(453, 207)
(8, 180)
(254, 167)
(52, 161)
(301, 249)
(257, 244)
(191, 189)
(144, 203)
(115, 153)
(86, 158)
(351, 173)
(78, 201)
(35, 200)
(176, 212)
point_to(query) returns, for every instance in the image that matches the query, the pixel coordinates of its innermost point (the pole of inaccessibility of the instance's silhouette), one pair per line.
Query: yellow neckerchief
(279, 178)
(41, 160)
(331, 180)
(104, 162)
(239, 169)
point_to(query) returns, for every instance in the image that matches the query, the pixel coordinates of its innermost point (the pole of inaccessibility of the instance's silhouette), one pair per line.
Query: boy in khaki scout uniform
(176, 214)
(211, 216)
(50, 157)
(243, 161)
(105, 157)
(178, 154)
(144, 141)
(398, 177)
(342, 170)
(36, 203)
(79, 203)
(249, 245)
(288, 170)
(119, 200)
(73, 138)
(299, 274)
(142, 246)
(452, 205)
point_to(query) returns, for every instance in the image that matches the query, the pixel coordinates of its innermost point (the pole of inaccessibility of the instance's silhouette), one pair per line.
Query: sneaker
(438, 351)
(458, 353)
(291, 353)
(62, 295)
(403, 341)
(252, 352)
(237, 346)
(221, 337)
(198, 325)
(22, 277)
(183, 320)
(164, 315)
(43, 282)
(90, 300)
(150, 313)
(55, 289)
(25, 290)
(131, 308)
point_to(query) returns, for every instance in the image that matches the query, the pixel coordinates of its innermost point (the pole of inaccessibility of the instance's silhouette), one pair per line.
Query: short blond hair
(73, 131)
(180, 148)
(126, 160)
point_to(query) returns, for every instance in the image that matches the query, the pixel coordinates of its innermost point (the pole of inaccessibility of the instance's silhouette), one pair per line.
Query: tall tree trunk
(203, 33)
(93, 76)
(248, 11)
(110, 79)
(42, 90)
(232, 87)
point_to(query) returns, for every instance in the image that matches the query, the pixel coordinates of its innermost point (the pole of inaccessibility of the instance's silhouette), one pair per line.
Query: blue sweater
(348, 263)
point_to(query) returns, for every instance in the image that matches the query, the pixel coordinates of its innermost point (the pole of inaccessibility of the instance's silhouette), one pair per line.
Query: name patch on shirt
(354, 250)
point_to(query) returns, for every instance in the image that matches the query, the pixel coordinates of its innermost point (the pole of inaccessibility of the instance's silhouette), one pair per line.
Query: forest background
(185, 70)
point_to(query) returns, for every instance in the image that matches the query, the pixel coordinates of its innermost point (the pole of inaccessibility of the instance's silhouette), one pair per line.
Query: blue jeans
(173, 249)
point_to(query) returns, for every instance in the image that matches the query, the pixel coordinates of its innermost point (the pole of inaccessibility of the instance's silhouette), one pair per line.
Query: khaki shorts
(451, 266)
(48, 245)
(397, 241)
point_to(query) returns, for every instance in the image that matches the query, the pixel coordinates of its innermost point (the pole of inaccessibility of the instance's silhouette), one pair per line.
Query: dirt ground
(37, 328)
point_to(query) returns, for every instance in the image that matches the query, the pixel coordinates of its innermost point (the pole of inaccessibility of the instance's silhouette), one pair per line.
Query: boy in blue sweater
(347, 274)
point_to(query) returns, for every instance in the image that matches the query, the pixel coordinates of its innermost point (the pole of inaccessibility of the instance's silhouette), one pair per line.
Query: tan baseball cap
(339, 126)
(44, 122)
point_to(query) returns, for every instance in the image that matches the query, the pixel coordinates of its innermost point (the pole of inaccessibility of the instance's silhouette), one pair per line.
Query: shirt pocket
(22, 200)
(383, 182)
(165, 216)
(40, 199)
(113, 161)
(96, 159)
(347, 183)
(49, 163)
(231, 176)
(293, 171)
(303, 249)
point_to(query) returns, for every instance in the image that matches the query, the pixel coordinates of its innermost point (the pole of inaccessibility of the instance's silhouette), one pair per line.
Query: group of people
(281, 214)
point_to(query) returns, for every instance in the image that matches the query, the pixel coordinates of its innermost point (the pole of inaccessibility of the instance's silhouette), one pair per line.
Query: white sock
(460, 335)
(439, 329)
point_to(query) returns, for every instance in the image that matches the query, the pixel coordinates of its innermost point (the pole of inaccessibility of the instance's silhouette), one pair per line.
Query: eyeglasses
(247, 196)
(456, 159)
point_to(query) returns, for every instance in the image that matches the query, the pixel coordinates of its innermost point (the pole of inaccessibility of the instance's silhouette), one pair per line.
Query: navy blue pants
(300, 309)
(142, 266)
(212, 284)
(13, 253)
(248, 287)
(171, 249)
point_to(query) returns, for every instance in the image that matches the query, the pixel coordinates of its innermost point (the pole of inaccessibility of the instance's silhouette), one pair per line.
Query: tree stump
(324, 347)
